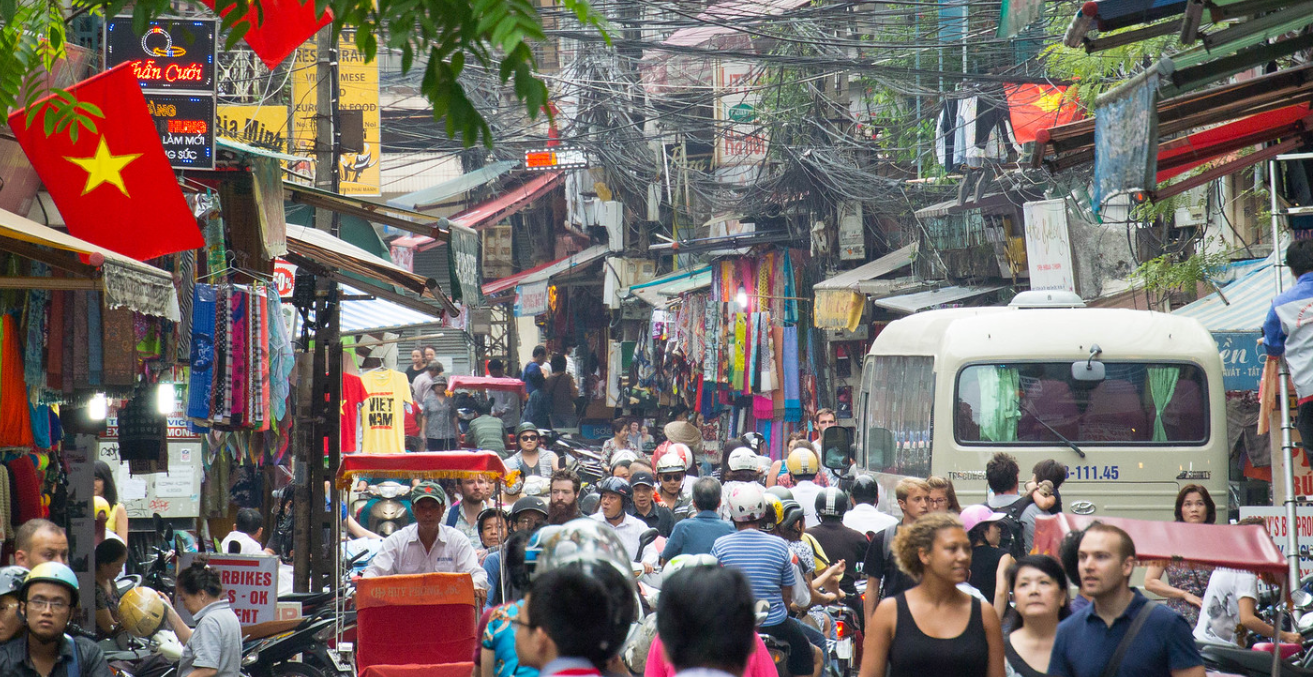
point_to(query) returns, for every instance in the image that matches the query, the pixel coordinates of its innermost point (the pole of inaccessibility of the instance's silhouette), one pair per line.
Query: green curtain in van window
(1162, 385)
(1000, 400)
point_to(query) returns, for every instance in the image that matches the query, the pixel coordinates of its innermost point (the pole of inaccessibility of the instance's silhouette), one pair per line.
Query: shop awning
(365, 316)
(330, 256)
(1242, 305)
(992, 201)
(239, 147)
(911, 303)
(546, 270)
(494, 210)
(127, 282)
(1178, 156)
(402, 219)
(657, 293)
(428, 198)
(859, 278)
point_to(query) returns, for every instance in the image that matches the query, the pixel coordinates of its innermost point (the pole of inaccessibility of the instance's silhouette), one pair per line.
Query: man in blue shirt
(1088, 638)
(696, 535)
(539, 359)
(768, 563)
(1288, 331)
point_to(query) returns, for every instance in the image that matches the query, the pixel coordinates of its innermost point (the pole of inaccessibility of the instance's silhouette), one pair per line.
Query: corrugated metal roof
(853, 279)
(430, 197)
(910, 303)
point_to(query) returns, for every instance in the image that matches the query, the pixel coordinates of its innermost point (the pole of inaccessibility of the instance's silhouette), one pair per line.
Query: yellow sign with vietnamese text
(259, 126)
(358, 90)
(838, 309)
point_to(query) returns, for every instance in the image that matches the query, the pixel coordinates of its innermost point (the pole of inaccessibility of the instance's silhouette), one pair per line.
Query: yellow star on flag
(104, 168)
(1049, 103)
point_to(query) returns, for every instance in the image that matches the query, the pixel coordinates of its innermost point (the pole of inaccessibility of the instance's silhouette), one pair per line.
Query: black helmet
(791, 513)
(616, 485)
(831, 502)
(865, 489)
(526, 504)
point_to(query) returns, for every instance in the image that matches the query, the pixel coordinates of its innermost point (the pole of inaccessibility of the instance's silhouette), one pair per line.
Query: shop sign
(249, 581)
(358, 90)
(531, 299)
(839, 309)
(1275, 519)
(463, 253)
(170, 54)
(186, 126)
(497, 252)
(284, 277)
(742, 140)
(1048, 246)
(555, 158)
(1242, 359)
(175, 493)
(852, 236)
(260, 126)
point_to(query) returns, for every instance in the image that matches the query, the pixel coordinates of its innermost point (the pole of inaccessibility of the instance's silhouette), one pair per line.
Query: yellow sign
(260, 126)
(838, 309)
(358, 90)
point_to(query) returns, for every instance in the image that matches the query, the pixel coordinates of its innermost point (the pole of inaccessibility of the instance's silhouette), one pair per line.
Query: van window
(1035, 402)
(900, 396)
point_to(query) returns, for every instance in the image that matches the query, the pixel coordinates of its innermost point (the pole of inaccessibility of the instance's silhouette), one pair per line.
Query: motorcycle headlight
(250, 659)
(389, 491)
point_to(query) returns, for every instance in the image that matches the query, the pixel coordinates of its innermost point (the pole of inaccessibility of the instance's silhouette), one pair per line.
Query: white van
(1131, 401)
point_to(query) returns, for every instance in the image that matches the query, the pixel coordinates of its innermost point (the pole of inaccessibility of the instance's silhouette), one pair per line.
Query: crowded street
(732, 338)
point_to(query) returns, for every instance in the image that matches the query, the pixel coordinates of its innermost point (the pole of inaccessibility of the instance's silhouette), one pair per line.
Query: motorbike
(584, 460)
(310, 640)
(384, 508)
(844, 649)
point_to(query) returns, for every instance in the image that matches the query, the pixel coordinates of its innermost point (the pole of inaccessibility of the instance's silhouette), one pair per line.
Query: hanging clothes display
(382, 418)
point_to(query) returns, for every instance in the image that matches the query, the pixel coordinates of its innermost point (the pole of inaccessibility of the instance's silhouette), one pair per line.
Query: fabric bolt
(54, 344)
(119, 351)
(38, 301)
(95, 345)
(15, 420)
(281, 359)
(185, 282)
(70, 340)
(27, 489)
(202, 352)
(6, 508)
(40, 415)
(790, 367)
(223, 392)
(81, 365)
(740, 341)
(239, 395)
(790, 289)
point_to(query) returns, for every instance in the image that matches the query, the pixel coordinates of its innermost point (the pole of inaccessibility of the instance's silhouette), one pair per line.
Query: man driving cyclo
(427, 546)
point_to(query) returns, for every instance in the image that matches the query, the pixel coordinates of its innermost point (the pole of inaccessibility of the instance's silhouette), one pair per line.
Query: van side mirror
(836, 448)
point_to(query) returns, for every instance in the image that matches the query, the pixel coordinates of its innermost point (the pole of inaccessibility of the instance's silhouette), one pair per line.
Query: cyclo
(412, 625)
(1248, 548)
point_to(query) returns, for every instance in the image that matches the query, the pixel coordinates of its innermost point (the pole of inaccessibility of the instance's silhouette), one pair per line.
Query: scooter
(844, 649)
(384, 508)
(586, 462)
(276, 656)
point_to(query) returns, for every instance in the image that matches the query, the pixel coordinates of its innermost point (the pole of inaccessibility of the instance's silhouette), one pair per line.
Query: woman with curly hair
(933, 628)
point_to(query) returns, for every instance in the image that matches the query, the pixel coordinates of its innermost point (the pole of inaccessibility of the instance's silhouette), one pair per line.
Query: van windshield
(900, 398)
(1035, 402)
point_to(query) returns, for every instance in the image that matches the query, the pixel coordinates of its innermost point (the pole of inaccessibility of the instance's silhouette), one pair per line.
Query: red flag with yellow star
(1035, 107)
(114, 187)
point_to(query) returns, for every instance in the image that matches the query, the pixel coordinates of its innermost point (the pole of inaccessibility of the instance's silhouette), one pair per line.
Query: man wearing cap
(531, 459)
(428, 545)
(616, 496)
(653, 514)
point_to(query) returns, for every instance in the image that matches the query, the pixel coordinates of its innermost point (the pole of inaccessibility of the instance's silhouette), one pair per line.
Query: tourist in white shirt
(246, 534)
(864, 516)
(1230, 602)
(428, 545)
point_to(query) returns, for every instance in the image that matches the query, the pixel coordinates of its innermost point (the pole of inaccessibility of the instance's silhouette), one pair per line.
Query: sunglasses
(673, 478)
(531, 438)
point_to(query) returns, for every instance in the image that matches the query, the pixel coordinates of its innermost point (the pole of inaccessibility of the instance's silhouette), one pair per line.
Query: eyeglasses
(39, 605)
(677, 477)
(938, 501)
(8, 607)
(529, 438)
(522, 624)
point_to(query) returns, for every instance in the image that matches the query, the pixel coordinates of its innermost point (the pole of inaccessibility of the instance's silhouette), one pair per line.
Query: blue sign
(1242, 359)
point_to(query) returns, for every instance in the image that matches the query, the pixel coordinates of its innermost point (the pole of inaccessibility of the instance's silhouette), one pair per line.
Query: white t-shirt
(805, 494)
(1220, 614)
(249, 546)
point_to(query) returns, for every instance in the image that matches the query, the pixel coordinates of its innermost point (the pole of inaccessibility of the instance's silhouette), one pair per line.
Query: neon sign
(175, 54)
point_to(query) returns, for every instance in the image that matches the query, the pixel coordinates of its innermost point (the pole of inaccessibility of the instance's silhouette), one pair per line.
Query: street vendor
(428, 545)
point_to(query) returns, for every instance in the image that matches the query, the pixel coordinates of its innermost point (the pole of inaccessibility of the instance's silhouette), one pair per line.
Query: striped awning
(1241, 305)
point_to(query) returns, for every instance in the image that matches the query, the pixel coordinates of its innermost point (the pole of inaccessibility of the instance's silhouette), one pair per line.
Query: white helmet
(747, 502)
(677, 458)
(686, 561)
(742, 459)
(623, 455)
(536, 485)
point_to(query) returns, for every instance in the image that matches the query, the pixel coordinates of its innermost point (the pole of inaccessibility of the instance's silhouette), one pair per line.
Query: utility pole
(319, 428)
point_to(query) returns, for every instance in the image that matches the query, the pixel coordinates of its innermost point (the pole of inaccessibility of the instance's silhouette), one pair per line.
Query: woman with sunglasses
(531, 459)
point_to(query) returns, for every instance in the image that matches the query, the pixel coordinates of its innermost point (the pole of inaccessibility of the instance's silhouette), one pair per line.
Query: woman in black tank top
(933, 628)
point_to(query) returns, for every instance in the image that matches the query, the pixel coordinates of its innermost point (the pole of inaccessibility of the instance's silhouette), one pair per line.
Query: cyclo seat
(1246, 660)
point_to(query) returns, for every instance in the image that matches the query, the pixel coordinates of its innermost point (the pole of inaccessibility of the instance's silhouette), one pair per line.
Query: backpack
(890, 566)
(1013, 541)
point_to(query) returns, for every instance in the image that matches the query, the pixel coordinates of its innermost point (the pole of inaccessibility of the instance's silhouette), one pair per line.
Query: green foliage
(496, 34)
(1097, 72)
(1166, 274)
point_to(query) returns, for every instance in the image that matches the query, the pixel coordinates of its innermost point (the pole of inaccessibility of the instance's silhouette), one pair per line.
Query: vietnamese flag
(1036, 107)
(278, 27)
(114, 187)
